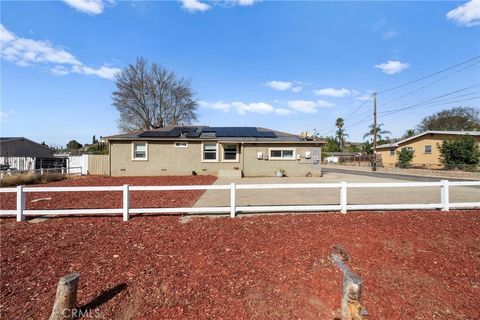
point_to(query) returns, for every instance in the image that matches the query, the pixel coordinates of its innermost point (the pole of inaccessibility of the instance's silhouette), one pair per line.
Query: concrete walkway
(332, 196)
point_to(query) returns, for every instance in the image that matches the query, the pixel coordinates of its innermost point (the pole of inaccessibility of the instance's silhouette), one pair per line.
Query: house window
(209, 153)
(181, 144)
(427, 149)
(230, 152)
(392, 152)
(282, 154)
(139, 151)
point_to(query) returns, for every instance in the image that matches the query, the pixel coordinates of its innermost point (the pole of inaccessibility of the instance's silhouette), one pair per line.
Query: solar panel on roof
(175, 132)
(239, 132)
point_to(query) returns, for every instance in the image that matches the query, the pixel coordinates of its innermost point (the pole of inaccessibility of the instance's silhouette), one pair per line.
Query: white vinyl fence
(42, 171)
(233, 209)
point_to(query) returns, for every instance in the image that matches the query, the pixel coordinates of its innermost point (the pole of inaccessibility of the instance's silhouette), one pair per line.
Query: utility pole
(374, 164)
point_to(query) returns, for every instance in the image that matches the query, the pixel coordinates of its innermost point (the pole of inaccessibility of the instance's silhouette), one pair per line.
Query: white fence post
(126, 202)
(232, 200)
(343, 197)
(41, 171)
(20, 203)
(445, 195)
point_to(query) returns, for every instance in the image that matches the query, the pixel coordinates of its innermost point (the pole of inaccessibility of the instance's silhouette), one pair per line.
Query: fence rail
(42, 171)
(233, 209)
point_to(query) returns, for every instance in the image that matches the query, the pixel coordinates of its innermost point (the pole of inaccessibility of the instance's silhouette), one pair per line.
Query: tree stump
(66, 298)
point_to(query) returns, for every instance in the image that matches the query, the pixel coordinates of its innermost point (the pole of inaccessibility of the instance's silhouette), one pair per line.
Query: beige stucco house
(224, 151)
(425, 146)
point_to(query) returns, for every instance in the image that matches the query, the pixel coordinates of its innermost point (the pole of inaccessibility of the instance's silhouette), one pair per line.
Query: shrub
(405, 156)
(463, 153)
(29, 178)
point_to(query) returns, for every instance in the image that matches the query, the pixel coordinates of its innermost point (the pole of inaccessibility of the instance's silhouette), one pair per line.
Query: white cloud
(246, 2)
(467, 14)
(26, 52)
(241, 107)
(195, 5)
(332, 92)
(280, 85)
(325, 104)
(283, 112)
(219, 105)
(297, 89)
(88, 6)
(303, 106)
(392, 67)
(257, 107)
(285, 85)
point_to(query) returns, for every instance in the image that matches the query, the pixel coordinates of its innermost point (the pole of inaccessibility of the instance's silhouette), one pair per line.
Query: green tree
(409, 133)
(455, 119)
(367, 147)
(73, 145)
(463, 153)
(340, 134)
(380, 132)
(405, 156)
(331, 145)
(94, 139)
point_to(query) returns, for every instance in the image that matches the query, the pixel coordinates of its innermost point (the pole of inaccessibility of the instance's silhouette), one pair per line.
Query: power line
(429, 84)
(358, 108)
(429, 100)
(428, 76)
(437, 103)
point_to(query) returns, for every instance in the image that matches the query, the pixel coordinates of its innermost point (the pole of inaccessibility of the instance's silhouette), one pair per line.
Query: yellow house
(425, 146)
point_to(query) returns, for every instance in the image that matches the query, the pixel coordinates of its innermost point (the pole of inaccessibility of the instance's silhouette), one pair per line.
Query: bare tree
(150, 97)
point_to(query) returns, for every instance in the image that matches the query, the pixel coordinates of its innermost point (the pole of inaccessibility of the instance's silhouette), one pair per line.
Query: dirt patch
(415, 265)
(110, 199)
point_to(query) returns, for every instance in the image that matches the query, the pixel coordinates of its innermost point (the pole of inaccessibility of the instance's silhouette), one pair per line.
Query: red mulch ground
(105, 200)
(415, 265)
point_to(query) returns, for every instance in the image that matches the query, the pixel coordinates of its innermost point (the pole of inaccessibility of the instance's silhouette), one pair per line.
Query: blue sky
(292, 66)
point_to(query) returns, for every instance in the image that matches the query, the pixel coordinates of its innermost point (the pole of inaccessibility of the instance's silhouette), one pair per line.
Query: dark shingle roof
(23, 147)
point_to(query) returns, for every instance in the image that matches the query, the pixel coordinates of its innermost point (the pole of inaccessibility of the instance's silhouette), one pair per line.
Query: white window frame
(181, 144)
(425, 151)
(133, 151)
(237, 157)
(202, 152)
(281, 158)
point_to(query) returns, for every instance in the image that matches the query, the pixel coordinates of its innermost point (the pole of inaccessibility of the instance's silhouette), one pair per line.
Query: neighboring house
(23, 154)
(425, 146)
(224, 151)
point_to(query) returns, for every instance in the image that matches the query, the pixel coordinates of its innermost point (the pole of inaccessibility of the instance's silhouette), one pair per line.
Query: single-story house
(23, 154)
(223, 151)
(425, 146)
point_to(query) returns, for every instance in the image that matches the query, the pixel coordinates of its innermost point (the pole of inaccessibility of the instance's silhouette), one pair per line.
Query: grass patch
(30, 178)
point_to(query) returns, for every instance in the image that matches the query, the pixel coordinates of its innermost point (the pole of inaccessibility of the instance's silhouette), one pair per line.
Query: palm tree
(340, 134)
(380, 132)
(409, 133)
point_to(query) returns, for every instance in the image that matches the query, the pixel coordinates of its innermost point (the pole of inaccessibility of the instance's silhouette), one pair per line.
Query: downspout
(243, 159)
(109, 158)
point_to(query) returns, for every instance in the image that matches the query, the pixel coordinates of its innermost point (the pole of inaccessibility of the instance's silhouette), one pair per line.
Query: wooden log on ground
(65, 304)
(351, 296)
